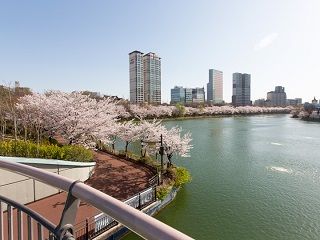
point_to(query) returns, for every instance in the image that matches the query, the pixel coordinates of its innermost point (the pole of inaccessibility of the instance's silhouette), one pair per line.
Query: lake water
(254, 177)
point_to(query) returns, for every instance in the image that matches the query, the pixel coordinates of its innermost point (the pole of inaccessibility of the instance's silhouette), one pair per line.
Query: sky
(84, 45)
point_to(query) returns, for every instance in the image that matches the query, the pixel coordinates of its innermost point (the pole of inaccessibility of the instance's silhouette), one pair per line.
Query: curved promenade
(114, 176)
(117, 177)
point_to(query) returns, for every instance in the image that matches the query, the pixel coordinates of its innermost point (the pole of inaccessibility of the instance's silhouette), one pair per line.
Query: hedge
(19, 148)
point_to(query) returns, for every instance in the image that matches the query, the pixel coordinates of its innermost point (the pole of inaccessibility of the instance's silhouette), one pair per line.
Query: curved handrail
(138, 222)
(34, 215)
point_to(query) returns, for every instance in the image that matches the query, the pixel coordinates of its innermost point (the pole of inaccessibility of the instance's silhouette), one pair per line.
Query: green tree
(181, 109)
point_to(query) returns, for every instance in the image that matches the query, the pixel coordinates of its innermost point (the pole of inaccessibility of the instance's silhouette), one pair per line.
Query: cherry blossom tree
(75, 116)
(150, 135)
(176, 143)
(33, 112)
(149, 111)
(129, 132)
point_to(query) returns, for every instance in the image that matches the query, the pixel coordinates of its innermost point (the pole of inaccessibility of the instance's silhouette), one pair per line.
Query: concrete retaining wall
(26, 190)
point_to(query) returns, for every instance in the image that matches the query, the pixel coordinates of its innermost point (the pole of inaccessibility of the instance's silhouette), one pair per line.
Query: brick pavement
(112, 175)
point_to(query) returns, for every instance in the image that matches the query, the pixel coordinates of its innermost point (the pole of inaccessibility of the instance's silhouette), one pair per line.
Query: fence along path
(138, 222)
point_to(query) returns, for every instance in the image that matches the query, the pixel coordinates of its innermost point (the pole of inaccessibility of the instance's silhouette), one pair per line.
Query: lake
(255, 177)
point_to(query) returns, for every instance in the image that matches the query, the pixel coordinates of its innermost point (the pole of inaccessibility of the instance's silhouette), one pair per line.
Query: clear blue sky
(82, 44)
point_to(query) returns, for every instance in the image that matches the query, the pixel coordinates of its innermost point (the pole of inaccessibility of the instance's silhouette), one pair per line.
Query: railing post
(10, 222)
(30, 228)
(65, 228)
(139, 207)
(87, 229)
(1, 221)
(20, 224)
(40, 231)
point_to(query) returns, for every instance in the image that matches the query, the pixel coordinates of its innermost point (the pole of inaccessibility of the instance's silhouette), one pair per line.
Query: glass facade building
(187, 95)
(198, 95)
(215, 87)
(178, 95)
(241, 89)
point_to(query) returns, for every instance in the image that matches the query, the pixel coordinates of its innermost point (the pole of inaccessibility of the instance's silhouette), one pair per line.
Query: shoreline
(218, 116)
(310, 119)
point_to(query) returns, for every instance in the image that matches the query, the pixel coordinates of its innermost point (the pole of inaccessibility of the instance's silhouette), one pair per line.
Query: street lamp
(161, 152)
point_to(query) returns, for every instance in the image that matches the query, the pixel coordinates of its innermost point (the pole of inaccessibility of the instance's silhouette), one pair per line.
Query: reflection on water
(280, 169)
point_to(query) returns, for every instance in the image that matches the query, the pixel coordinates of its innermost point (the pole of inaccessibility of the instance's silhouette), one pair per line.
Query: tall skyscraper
(152, 78)
(215, 87)
(136, 77)
(241, 89)
(145, 77)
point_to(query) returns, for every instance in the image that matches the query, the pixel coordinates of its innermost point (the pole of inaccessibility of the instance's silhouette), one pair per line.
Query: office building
(299, 101)
(241, 89)
(145, 77)
(215, 87)
(294, 102)
(187, 96)
(260, 102)
(198, 95)
(278, 97)
(178, 95)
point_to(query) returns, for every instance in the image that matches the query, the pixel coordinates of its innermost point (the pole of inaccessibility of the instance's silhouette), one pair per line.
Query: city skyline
(59, 46)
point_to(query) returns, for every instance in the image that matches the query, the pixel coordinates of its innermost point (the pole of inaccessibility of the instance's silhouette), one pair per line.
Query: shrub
(163, 191)
(77, 153)
(29, 149)
(179, 175)
(133, 156)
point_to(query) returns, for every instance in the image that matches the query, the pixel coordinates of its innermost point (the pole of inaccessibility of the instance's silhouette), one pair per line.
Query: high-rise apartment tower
(241, 89)
(152, 78)
(136, 75)
(145, 77)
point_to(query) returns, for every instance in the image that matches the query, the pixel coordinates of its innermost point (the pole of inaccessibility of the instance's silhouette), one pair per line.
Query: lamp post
(161, 152)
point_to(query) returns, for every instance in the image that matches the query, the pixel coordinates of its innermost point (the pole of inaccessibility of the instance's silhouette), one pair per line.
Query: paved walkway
(117, 177)
(113, 176)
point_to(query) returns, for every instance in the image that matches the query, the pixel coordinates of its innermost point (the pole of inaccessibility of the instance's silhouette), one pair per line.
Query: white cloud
(266, 41)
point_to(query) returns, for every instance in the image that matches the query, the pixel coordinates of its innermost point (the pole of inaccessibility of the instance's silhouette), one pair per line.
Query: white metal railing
(137, 221)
